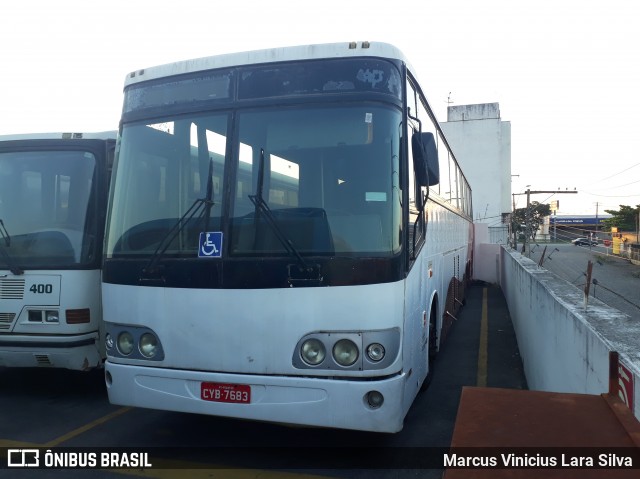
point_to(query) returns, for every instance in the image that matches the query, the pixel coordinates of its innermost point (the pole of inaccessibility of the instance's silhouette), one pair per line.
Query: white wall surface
(565, 348)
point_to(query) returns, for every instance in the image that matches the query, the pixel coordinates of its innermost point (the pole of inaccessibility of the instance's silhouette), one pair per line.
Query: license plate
(221, 392)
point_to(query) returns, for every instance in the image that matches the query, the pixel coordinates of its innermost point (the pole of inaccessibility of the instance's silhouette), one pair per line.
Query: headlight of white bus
(313, 351)
(375, 352)
(125, 343)
(132, 342)
(350, 350)
(148, 345)
(345, 352)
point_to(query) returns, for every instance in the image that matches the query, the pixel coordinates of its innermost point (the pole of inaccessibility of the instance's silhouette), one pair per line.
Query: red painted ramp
(545, 434)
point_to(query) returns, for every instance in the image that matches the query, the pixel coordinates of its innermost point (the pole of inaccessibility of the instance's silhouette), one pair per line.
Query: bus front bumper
(78, 352)
(281, 399)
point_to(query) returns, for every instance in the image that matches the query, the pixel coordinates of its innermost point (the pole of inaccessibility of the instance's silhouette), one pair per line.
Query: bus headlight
(132, 342)
(313, 351)
(125, 343)
(345, 352)
(375, 352)
(148, 345)
(51, 317)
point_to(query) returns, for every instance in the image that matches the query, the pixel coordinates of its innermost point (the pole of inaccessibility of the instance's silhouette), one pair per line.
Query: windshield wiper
(263, 208)
(5, 234)
(13, 267)
(201, 206)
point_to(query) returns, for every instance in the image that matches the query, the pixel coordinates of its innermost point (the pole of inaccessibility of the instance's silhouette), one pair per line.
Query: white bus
(288, 238)
(53, 195)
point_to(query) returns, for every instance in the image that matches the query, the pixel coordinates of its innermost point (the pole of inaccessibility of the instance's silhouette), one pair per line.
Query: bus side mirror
(425, 159)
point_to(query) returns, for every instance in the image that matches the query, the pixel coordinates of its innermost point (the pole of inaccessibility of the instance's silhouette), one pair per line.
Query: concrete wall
(565, 348)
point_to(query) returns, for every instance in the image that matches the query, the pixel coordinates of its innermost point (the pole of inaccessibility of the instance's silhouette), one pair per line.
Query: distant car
(584, 242)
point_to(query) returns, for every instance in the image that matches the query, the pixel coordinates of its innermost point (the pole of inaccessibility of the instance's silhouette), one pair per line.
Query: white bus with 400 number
(53, 194)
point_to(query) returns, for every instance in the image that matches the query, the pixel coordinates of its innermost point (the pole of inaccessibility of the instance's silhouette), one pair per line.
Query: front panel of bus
(52, 203)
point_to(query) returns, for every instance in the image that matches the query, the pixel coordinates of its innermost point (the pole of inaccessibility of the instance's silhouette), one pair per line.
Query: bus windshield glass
(328, 177)
(46, 205)
(165, 170)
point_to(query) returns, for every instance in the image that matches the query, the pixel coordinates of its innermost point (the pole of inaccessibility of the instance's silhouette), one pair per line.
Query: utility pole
(513, 219)
(525, 247)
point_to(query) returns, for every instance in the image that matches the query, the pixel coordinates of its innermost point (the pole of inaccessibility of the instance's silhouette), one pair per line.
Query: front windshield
(46, 208)
(329, 175)
(163, 169)
(329, 179)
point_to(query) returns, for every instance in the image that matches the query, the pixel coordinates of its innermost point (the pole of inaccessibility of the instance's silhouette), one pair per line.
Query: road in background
(618, 280)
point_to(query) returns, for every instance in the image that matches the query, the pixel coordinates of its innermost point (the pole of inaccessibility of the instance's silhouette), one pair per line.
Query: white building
(481, 142)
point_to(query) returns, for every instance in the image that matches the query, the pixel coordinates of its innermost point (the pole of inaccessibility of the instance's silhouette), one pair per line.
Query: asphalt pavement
(614, 280)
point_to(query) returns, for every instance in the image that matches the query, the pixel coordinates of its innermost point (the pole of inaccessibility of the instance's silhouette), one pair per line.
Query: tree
(626, 218)
(537, 213)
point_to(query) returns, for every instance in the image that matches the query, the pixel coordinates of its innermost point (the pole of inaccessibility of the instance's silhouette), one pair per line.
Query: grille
(42, 359)
(11, 288)
(5, 321)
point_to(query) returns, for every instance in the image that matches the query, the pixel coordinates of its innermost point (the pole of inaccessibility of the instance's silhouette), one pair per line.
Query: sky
(564, 72)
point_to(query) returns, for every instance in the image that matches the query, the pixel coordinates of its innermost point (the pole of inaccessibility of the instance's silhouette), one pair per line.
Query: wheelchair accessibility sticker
(210, 245)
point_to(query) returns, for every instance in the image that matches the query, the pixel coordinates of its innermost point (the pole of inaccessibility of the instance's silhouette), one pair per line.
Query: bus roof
(102, 135)
(302, 52)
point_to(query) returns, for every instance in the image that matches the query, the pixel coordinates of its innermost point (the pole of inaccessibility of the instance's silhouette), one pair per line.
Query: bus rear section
(53, 190)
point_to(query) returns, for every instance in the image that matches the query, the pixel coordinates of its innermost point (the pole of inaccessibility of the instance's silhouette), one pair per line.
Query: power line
(611, 196)
(620, 172)
(626, 184)
(619, 186)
